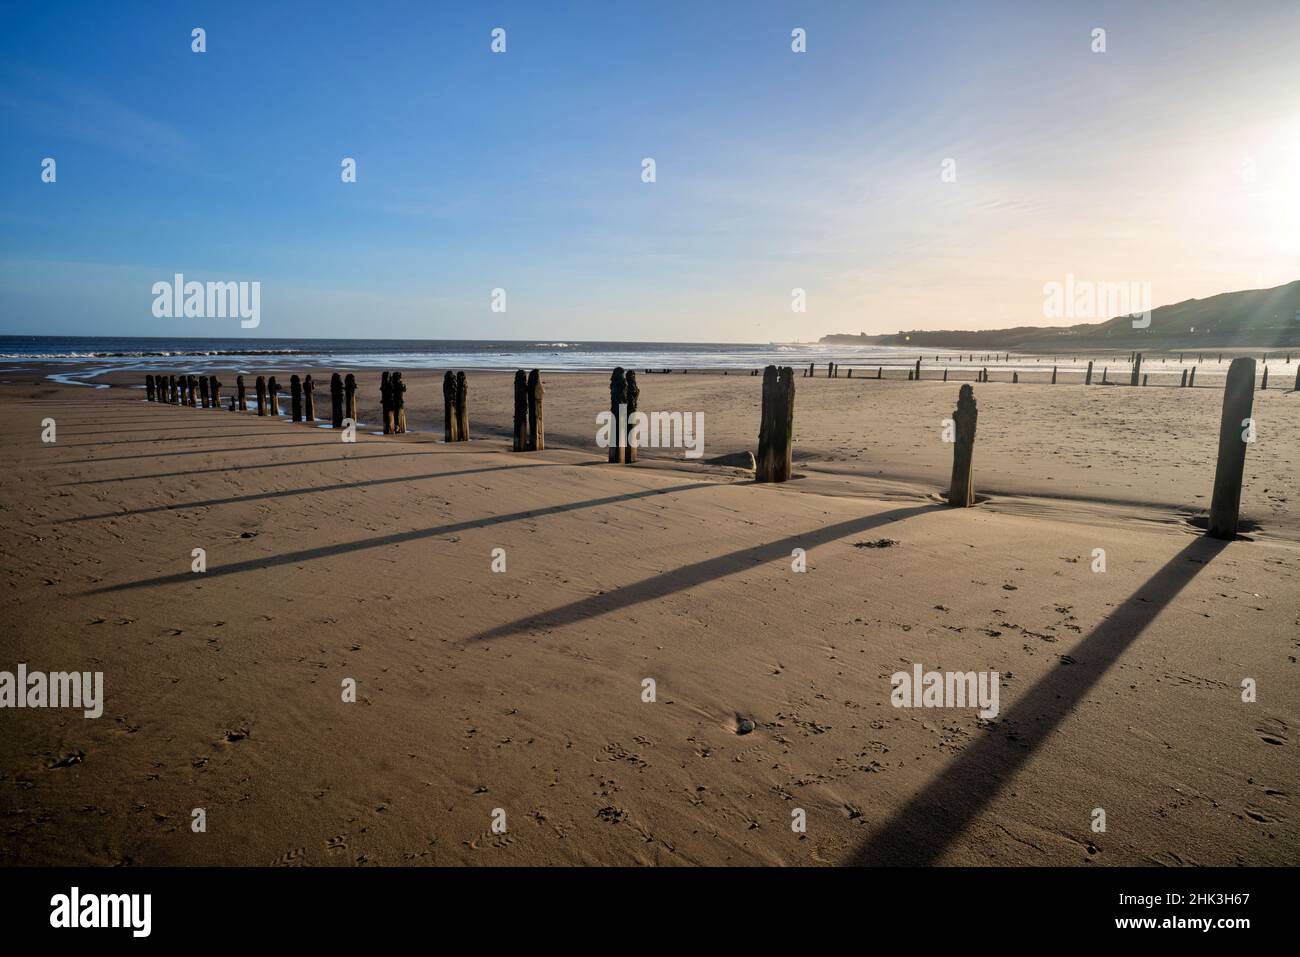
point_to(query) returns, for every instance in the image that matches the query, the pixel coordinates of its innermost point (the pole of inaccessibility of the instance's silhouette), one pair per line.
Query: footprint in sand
(297, 857)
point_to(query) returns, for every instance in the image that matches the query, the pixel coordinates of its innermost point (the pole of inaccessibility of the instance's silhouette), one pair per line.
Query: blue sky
(522, 170)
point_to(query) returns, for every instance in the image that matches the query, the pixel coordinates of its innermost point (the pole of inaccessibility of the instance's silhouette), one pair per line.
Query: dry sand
(523, 690)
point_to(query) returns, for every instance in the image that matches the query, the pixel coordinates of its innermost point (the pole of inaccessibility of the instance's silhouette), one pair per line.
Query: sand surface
(522, 690)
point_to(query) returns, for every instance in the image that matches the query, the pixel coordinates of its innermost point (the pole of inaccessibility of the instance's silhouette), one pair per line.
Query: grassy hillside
(1264, 318)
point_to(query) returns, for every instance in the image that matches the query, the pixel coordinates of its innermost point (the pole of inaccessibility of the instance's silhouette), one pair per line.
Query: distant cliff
(1267, 318)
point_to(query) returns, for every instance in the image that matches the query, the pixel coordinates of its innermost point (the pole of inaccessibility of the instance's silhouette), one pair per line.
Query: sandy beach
(481, 691)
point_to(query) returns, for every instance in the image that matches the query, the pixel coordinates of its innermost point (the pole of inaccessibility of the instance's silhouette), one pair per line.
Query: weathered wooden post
(536, 426)
(918, 370)
(1238, 400)
(148, 388)
(449, 407)
(462, 407)
(617, 402)
(1183, 383)
(350, 397)
(850, 373)
(273, 394)
(261, 395)
(520, 443)
(1053, 375)
(1088, 379)
(336, 401)
(910, 375)
(880, 372)
(1104, 370)
(1137, 368)
(295, 397)
(1263, 384)
(194, 392)
(386, 402)
(633, 393)
(399, 402)
(1015, 378)
(241, 394)
(172, 395)
(309, 399)
(203, 390)
(961, 490)
(1144, 378)
(1191, 378)
(776, 427)
(214, 389)
(945, 373)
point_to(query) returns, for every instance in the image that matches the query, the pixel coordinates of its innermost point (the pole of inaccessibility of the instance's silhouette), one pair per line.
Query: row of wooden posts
(1136, 376)
(773, 463)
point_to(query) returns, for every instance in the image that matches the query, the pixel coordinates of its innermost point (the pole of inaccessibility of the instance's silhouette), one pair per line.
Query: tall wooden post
(633, 393)
(1183, 383)
(449, 407)
(261, 395)
(1053, 375)
(617, 399)
(273, 396)
(1191, 378)
(336, 401)
(148, 388)
(1263, 384)
(399, 402)
(1238, 401)
(386, 402)
(1088, 380)
(961, 490)
(309, 399)
(350, 397)
(1104, 370)
(776, 426)
(173, 391)
(536, 426)
(214, 390)
(918, 370)
(462, 408)
(295, 398)
(194, 391)
(520, 443)
(241, 394)
(1137, 368)
(203, 391)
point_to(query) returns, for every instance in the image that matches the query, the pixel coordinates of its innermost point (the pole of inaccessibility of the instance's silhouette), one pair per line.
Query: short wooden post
(910, 375)
(241, 394)
(618, 405)
(536, 426)
(1137, 368)
(633, 393)
(1088, 379)
(1191, 378)
(961, 490)
(336, 401)
(273, 396)
(386, 402)
(214, 390)
(1144, 378)
(1183, 383)
(462, 408)
(945, 373)
(309, 399)
(148, 388)
(1104, 370)
(918, 370)
(203, 391)
(521, 412)
(850, 373)
(880, 371)
(1015, 378)
(1053, 375)
(295, 398)
(350, 398)
(261, 395)
(1238, 400)
(449, 407)
(1263, 384)
(399, 403)
(776, 428)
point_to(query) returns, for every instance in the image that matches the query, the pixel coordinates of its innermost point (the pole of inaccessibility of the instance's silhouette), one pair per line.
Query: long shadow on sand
(169, 455)
(933, 820)
(689, 576)
(397, 538)
(223, 469)
(308, 490)
(198, 436)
